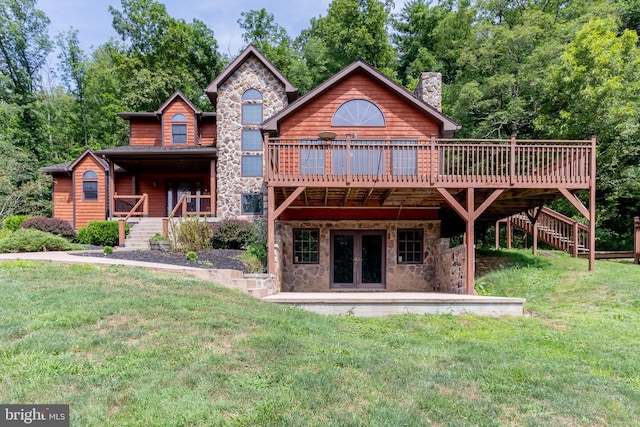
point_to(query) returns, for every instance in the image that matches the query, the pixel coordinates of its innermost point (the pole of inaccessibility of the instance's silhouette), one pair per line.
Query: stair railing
(144, 202)
(555, 229)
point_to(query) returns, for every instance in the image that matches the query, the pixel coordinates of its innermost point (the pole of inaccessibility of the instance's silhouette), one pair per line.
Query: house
(359, 180)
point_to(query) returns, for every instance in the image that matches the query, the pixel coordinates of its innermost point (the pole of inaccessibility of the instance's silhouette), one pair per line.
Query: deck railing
(435, 162)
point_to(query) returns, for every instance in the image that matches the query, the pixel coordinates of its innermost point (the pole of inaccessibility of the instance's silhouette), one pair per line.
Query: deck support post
(469, 215)
(471, 242)
(592, 207)
(509, 233)
(271, 232)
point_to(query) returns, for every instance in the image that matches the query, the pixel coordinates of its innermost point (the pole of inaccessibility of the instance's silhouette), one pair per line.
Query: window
(404, 158)
(358, 112)
(90, 185)
(251, 107)
(179, 129)
(312, 158)
(251, 140)
(410, 246)
(366, 158)
(251, 165)
(305, 246)
(252, 204)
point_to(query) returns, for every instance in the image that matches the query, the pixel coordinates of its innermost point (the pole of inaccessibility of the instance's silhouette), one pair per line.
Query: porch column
(112, 189)
(271, 232)
(212, 188)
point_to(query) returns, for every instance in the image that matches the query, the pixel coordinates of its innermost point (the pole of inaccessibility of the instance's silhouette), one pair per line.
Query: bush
(100, 233)
(233, 234)
(55, 226)
(191, 234)
(29, 240)
(108, 250)
(192, 256)
(12, 222)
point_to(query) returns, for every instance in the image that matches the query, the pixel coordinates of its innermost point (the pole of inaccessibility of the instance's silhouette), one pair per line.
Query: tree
(595, 89)
(162, 54)
(261, 30)
(352, 29)
(73, 67)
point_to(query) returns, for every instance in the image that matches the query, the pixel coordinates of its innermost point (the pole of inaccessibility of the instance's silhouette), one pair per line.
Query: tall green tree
(595, 90)
(162, 54)
(73, 64)
(24, 46)
(351, 30)
(261, 30)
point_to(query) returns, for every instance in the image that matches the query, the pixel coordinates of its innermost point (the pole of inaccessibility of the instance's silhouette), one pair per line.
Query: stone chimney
(429, 89)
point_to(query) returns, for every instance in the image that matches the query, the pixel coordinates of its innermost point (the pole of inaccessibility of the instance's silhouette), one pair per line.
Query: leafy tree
(261, 30)
(161, 54)
(595, 89)
(352, 29)
(73, 66)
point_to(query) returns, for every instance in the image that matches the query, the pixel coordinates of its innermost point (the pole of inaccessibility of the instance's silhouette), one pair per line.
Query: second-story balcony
(460, 163)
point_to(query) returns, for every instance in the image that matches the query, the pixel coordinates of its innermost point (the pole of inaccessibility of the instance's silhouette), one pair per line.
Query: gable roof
(68, 167)
(448, 126)
(158, 113)
(176, 94)
(251, 50)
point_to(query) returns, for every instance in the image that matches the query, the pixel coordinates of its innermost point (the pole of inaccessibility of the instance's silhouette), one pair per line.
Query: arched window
(358, 112)
(89, 185)
(179, 129)
(252, 107)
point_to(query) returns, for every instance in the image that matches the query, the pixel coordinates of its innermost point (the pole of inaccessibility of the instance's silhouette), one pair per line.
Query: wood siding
(145, 132)
(209, 132)
(63, 197)
(402, 120)
(87, 211)
(179, 107)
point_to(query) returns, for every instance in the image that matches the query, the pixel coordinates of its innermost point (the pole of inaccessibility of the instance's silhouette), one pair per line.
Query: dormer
(177, 123)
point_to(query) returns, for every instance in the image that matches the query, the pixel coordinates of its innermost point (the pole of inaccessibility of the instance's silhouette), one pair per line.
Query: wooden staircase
(551, 227)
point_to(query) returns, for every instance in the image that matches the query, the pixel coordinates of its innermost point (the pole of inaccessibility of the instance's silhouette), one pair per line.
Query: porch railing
(130, 205)
(188, 205)
(434, 162)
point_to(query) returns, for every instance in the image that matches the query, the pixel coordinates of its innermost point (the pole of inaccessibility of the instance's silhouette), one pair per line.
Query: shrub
(191, 234)
(29, 240)
(233, 234)
(55, 226)
(192, 256)
(108, 250)
(100, 233)
(12, 222)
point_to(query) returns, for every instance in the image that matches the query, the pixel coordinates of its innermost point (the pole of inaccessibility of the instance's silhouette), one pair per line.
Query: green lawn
(131, 347)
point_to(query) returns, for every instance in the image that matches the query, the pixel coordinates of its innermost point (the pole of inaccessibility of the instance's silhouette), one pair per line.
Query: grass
(132, 347)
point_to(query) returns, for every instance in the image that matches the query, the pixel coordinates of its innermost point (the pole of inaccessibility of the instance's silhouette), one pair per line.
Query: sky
(93, 21)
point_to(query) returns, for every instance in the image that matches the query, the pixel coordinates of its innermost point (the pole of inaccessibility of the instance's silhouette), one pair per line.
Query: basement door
(357, 259)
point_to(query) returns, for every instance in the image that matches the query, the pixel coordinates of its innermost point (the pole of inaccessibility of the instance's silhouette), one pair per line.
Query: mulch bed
(213, 259)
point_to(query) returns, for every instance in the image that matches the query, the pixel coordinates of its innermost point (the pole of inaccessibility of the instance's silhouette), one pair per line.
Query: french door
(358, 259)
(176, 189)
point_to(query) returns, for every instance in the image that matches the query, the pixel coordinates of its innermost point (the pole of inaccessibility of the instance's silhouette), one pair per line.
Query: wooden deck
(443, 163)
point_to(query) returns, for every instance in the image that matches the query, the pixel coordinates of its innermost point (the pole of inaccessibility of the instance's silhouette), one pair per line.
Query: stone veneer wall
(399, 277)
(251, 74)
(450, 271)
